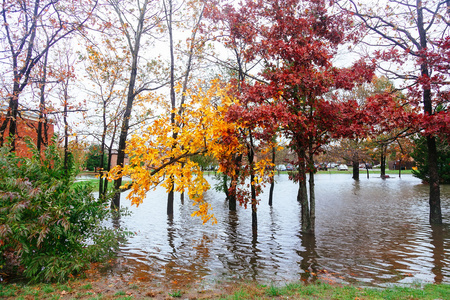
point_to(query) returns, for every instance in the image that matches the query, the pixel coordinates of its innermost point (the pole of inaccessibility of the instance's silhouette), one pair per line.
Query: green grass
(87, 286)
(176, 294)
(327, 291)
(298, 290)
(120, 293)
(95, 182)
(363, 172)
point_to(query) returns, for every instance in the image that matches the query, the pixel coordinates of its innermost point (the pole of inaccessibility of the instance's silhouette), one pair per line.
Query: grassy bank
(363, 172)
(96, 289)
(95, 182)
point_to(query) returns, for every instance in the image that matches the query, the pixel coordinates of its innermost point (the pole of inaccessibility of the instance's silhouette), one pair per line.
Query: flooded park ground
(370, 232)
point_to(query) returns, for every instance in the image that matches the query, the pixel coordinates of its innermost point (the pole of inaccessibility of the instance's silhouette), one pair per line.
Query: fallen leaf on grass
(150, 294)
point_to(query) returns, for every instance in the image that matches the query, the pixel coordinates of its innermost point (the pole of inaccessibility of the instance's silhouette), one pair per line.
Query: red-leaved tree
(297, 41)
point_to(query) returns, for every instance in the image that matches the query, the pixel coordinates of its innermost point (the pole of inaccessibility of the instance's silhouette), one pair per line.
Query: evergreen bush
(420, 156)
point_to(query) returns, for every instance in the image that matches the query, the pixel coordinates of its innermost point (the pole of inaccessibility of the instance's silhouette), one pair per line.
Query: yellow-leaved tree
(156, 158)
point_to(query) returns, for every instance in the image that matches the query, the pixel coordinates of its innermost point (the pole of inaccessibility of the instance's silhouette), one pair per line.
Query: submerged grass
(80, 289)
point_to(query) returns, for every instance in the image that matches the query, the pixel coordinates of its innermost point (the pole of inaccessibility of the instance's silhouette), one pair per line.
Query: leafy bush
(420, 155)
(94, 158)
(50, 227)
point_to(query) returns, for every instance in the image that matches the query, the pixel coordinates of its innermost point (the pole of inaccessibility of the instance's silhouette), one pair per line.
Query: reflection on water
(370, 231)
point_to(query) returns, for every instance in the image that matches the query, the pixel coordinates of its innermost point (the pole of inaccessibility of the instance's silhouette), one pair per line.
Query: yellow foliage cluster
(156, 157)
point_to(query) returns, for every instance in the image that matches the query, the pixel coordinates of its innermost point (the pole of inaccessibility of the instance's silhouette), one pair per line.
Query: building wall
(114, 160)
(26, 127)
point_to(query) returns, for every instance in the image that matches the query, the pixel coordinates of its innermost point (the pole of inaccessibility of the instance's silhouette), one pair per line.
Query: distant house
(404, 165)
(27, 126)
(114, 156)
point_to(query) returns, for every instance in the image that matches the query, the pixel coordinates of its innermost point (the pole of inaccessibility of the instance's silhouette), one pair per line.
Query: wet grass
(327, 291)
(78, 289)
(94, 182)
(363, 172)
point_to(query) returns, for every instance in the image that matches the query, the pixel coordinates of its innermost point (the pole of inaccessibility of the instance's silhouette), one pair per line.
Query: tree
(95, 158)
(135, 21)
(354, 150)
(107, 89)
(158, 159)
(30, 29)
(297, 40)
(169, 13)
(225, 17)
(413, 31)
(419, 155)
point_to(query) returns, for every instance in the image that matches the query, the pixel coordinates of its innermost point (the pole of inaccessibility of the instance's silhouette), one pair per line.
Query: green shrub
(52, 228)
(94, 158)
(420, 155)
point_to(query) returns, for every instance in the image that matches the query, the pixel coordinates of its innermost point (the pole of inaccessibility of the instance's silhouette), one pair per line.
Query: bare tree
(30, 29)
(135, 22)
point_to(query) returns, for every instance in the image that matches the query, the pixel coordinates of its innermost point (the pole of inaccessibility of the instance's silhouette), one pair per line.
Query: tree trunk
(66, 135)
(312, 196)
(253, 179)
(272, 179)
(115, 203)
(237, 159)
(170, 197)
(302, 195)
(102, 158)
(168, 11)
(355, 164)
(383, 162)
(312, 202)
(435, 197)
(11, 119)
(41, 139)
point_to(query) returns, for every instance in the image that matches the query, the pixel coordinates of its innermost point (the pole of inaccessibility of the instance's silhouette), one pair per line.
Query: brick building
(27, 126)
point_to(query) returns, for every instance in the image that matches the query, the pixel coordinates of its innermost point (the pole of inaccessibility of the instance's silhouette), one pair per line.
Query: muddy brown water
(372, 232)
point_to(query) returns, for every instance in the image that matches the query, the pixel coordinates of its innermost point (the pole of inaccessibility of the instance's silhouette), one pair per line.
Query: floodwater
(372, 232)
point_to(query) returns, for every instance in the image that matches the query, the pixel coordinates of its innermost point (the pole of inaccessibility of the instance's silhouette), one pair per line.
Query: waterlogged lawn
(99, 289)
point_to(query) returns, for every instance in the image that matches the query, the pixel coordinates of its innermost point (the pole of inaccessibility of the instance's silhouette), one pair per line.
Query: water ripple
(373, 231)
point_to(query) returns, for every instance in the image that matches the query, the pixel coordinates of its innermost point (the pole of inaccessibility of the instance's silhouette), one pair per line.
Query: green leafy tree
(94, 158)
(420, 155)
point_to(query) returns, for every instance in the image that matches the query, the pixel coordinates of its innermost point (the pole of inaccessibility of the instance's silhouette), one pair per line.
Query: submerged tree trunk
(312, 201)
(237, 159)
(170, 197)
(272, 179)
(435, 198)
(302, 195)
(312, 196)
(169, 13)
(435, 194)
(355, 164)
(383, 161)
(253, 179)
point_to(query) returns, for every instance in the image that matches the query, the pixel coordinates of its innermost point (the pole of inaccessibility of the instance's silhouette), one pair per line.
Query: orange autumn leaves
(157, 158)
